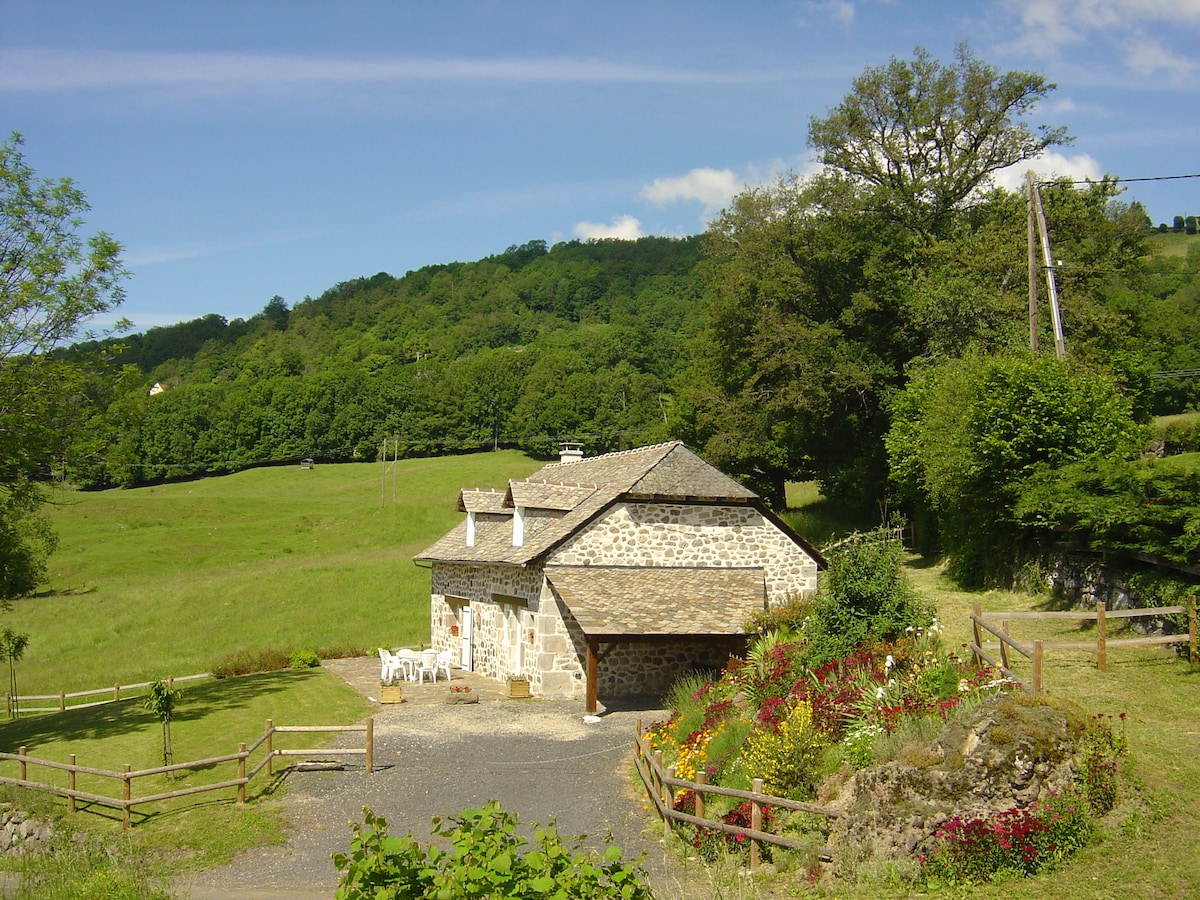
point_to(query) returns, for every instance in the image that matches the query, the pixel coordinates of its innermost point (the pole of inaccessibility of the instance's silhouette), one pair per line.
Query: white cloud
(1147, 56)
(1051, 165)
(140, 257)
(625, 228)
(712, 188)
(43, 70)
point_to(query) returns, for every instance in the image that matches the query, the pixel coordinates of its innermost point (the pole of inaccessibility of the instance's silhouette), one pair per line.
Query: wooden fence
(127, 776)
(61, 698)
(1101, 615)
(660, 784)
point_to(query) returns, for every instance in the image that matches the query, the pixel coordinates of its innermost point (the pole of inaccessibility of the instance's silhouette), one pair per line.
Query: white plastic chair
(428, 663)
(442, 664)
(389, 666)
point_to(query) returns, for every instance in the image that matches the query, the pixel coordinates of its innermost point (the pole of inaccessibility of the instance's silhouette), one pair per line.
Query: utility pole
(1035, 196)
(1031, 241)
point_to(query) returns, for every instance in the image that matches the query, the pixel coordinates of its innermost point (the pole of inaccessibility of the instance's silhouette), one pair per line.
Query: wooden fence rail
(980, 623)
(63, 696)
(127, 775)
(660, 782)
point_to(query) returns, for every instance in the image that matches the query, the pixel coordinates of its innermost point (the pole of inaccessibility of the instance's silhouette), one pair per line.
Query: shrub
(710, 843)
(247, 662)
(485, 858)
(1022, 841)
(303, 659)
(1099, 752)
(865, 598)
(787, 759)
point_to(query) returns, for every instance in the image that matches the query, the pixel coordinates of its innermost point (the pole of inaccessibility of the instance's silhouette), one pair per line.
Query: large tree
(52, 282)
(926, 137)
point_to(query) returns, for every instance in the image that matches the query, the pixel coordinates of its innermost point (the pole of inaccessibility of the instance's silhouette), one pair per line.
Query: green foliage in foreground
(485, 858)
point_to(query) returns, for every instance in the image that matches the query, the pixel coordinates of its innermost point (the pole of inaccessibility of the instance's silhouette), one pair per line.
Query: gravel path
(539, 759)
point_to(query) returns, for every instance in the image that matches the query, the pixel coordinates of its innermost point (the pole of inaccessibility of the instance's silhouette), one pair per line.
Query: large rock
(1010, 751)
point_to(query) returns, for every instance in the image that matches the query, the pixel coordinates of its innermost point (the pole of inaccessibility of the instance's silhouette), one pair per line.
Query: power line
(1119, 180)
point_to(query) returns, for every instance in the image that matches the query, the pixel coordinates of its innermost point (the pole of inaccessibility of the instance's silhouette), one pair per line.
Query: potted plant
(516, 686)
(454, 631)
(389, 690)
(462, 693)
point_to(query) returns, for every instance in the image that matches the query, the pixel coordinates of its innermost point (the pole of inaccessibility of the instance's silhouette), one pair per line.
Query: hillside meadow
(167, 580)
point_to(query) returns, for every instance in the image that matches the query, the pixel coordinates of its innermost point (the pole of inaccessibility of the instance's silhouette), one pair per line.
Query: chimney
(569, 452)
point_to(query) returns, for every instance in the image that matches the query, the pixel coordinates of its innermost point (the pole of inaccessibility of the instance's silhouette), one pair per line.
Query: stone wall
(672, 534)
(20, 832)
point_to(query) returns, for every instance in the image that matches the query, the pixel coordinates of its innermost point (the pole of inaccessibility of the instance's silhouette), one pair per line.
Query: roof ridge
(615, 453)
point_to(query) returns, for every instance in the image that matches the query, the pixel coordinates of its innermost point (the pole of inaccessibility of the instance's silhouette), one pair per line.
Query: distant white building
(157, 389)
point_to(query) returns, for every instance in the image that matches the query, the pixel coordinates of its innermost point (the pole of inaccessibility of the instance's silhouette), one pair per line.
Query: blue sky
(240, 150)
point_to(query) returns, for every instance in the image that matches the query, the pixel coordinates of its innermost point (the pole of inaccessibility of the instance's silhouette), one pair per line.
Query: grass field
(169, 579)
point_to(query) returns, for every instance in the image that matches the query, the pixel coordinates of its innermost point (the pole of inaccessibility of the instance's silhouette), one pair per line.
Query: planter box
(462, 697)
(389, 693)
(516, 690)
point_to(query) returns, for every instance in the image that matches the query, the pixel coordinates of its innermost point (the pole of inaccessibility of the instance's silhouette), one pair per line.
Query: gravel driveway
(539, 759)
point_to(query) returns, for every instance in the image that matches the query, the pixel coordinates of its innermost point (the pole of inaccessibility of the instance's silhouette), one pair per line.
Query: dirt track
(540, 759)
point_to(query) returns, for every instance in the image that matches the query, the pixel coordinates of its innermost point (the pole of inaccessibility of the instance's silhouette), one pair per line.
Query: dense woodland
(866, 327)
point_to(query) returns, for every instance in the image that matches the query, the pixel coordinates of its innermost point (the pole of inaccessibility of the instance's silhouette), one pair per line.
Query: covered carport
(666, 615)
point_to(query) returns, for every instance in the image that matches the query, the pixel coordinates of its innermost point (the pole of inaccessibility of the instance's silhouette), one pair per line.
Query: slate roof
(572, 494)
(611, 600)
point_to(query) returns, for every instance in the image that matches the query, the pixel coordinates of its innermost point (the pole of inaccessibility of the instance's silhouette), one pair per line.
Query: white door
(466, 656)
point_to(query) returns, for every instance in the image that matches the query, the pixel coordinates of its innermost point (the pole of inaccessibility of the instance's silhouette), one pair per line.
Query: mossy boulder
(1011, 750)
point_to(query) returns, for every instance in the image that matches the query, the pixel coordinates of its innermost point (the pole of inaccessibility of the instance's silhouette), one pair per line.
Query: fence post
(701, 779)
(1191, 614)
(370, 747)
(656, 775)
(126, 795)
(21, 771)
(977, 613)
(71, 783)
(8, 706)
(1037, 667)
(667, 796)
(1101, 636)
(62, 701)
(116, 692)
(241, 792)
(755, 821)
(1004, 646)
(270, 730)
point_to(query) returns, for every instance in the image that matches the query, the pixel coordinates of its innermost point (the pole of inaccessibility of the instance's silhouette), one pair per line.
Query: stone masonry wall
(669, 534)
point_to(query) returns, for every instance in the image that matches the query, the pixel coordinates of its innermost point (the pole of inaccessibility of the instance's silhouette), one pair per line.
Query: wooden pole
(126, 795)
(1060, 349)
(22, 772)
(591, 676)
(1037, 667)
(241, 790)
(62, 701)
(369, 762)
(1031, 252)
(1191, 614)
(666, 797)
(701, 779)
(755, 822)
(270, 750)
(1004, 646)
(71, 782)
(977, 609)
(1101, 636)
(116, 692)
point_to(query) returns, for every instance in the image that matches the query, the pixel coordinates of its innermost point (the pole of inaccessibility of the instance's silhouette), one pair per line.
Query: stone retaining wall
(20, 832)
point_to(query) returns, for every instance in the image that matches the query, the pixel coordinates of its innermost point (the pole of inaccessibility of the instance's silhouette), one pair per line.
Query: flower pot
(389, 693)
(516, 690)
(462, 697)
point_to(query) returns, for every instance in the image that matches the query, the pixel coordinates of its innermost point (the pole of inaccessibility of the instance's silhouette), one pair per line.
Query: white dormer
(519, 526)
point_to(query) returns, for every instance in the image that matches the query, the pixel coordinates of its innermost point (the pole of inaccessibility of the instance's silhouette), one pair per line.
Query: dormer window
(519, 526)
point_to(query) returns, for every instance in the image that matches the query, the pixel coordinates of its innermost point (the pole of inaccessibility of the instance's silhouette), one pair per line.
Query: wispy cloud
(140, 257)
(1051, 165)
(51, 70)
(625, 228)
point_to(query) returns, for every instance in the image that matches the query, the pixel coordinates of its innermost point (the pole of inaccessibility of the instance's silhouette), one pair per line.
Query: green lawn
(169, 579)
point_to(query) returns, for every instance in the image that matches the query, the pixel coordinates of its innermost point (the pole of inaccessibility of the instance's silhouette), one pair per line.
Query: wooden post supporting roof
(594, 658)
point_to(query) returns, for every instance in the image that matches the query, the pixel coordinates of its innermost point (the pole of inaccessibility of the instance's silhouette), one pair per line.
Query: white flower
(879, 693)
(889, 663)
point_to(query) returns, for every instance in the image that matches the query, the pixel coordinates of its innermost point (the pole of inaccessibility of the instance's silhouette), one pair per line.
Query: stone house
(610, 576)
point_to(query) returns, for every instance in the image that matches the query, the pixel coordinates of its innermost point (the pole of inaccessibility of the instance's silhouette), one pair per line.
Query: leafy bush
(865, 598)
(303, 659)
(485, 858)
(786, 758)
(1016, 841)
(247, 662)
(1099, 753)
